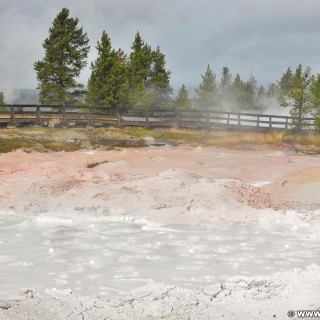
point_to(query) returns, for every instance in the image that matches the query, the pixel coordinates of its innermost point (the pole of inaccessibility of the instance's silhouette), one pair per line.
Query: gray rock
(4, 305)
(27, 293)
(86, 144)
(53, 123)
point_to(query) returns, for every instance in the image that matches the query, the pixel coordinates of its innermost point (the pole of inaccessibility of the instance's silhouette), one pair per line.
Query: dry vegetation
(220, 138)
(30, 144)
(226, 138)
(48, 139)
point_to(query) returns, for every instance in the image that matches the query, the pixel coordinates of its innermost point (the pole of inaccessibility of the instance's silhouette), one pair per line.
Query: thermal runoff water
(97, 255)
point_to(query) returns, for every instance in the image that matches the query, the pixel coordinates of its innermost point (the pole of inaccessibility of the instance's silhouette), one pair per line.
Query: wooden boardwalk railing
(49, 115)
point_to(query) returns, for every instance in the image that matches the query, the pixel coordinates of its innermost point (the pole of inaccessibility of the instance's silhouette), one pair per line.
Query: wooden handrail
(41, 114)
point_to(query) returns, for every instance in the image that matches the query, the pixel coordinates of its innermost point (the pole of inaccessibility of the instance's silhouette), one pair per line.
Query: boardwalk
(55, 116)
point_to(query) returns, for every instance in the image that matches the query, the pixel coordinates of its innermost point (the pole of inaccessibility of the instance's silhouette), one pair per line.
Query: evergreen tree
(160, 80)
(123, 56)
(226, 80)
(272, 91)
(140, 99)
(2, 98)
(2, 101)
(238, 92)
(146, 69)
(206, 94)
(299, 96)
(140, 62)
(315, 94)
(107, 85)
(250, 94)
(66, 50)
(261, 92)
(183, 101)
(315, 101)
(262, 101)
(285, 82)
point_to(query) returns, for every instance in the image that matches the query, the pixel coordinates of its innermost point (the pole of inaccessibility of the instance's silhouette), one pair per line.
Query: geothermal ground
(159, 233)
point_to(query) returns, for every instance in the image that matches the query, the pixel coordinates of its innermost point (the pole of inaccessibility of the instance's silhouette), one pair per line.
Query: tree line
(117, 80)
(298, 90)
(141, 81)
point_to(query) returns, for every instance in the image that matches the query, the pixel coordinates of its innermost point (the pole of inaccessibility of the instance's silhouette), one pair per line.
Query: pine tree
(284, 86)
(160, 77)
(139, 74)
(160, 80)
(123, 56)
(2, 101)
(315, 101)
(140, 99)
(299, 96)
(262, 101)
(183, 101)
(146, 69)
(66, 50)
(140, 61)
(107, 85)
(285, 82)
(315, 95)
(2, 98)
(206, 94)
(250, 94)
(238, 92)
(226, 79)
(261, 92)
(273, 91)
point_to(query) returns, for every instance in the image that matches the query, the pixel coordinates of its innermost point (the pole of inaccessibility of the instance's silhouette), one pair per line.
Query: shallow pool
(96, 255)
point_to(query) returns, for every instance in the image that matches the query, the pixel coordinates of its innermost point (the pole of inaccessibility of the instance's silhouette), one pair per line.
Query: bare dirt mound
(298, 191)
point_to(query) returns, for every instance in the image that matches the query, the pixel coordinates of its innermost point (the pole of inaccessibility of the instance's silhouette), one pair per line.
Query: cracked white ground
(159, 233)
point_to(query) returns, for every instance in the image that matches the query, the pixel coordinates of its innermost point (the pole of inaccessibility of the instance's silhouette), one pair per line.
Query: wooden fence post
(91, 124)
(270, 122)
(177, 118)
(287, 122)
(39, 120)
(228, 120)
(119, 118)
(13, 121)
(258, 121)
(239, 122)
(64, 117)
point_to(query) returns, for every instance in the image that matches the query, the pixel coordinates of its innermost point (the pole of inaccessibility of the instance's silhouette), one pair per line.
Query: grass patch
(114, 143)
(131, 138)
(223, 137)
(59, 146)
(240, 138)
(13, 144)
(181, 136)
(235, 138)
(218, 138)
(138, 132)
(308, 139)
(8, 145)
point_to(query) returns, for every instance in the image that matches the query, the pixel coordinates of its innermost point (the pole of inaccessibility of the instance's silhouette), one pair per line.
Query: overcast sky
(261, 37)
